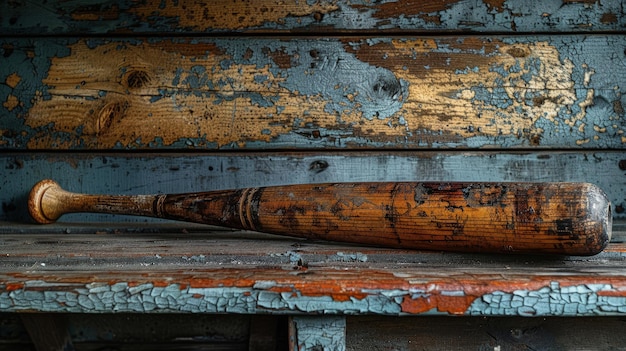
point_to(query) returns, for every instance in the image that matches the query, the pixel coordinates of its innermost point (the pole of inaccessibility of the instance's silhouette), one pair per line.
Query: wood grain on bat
(553, 218)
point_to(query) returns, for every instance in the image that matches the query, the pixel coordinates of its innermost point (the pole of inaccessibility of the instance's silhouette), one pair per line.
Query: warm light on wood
(535, 218)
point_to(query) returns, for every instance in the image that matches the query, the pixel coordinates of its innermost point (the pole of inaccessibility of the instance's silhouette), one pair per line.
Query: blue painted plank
(177, 173)
(118, 273)
(366, 93)
(156, 16)
(318, 333)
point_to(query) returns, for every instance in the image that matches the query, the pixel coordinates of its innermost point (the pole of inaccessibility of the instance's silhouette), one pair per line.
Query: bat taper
(529, 218)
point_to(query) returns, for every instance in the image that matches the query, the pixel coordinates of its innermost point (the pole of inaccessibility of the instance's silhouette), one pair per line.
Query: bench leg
(317, 333)
(48, 331)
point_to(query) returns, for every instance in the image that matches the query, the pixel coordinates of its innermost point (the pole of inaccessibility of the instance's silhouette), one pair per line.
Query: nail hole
(318, 166)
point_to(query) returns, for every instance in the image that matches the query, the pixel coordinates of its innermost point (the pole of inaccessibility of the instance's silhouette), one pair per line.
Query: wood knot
(108, 113)
(135, 78)
(518, 51)
(386, 87)
(384, 95)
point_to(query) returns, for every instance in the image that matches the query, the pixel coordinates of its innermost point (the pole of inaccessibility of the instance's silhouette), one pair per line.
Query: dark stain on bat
(391, 215)
(289, 216)
(485, 195)
(564, 226)
(337, 210)
(525, 212)
(421, 194)
(253, 208)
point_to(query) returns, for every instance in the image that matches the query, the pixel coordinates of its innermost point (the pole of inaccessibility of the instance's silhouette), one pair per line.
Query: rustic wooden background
(178, 96)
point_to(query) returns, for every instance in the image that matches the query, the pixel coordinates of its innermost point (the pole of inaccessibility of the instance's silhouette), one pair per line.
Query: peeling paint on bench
(315, 333)
(553, 298)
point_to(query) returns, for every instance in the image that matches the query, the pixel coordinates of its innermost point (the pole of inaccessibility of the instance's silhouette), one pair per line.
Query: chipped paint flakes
(269, 296)
(121, 297)
(552, 300)
(504, 95)
(238, 93)
(12, 80)
(11, 102)
(320, 333)
(201, 15)
(209, 97)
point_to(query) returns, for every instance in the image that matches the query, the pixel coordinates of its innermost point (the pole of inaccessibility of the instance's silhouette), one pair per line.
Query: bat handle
(48, 201)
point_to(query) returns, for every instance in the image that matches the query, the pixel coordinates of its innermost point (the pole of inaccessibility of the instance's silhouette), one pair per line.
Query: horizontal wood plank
(495, 333)
(216, 273)
(124, 331)
(268, 16)
(150, 173)
(182, 331)
(312, 93)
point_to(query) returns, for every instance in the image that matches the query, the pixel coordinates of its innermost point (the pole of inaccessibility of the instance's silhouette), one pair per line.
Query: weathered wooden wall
(325, 16)
(177, 96)
(347, 92)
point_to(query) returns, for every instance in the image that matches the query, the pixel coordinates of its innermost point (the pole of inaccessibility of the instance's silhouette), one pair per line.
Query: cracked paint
(552, 299)
(312, 333)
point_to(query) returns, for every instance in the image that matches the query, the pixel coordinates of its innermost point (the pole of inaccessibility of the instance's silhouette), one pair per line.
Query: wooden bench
(148, 97)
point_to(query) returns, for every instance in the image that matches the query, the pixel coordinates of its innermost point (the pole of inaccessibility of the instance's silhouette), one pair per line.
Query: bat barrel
(530, 218)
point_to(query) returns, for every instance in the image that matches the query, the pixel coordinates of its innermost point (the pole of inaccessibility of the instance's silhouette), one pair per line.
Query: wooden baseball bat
(530, 218)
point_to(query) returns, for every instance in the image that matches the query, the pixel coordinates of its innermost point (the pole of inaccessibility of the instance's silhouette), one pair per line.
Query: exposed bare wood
(255, 93)
(328, 16)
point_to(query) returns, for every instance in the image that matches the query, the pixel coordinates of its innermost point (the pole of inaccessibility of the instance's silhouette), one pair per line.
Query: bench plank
(238, 273)
(495, 333)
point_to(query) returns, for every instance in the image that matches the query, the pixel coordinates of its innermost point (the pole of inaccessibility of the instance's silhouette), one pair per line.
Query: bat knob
(39, 206)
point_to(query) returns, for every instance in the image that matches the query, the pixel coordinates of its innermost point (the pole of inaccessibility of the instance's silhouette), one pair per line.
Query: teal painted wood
(176, 173)
(100, 17)
(552, 300)
(209, 273)
(316, 333)
(523, 105)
